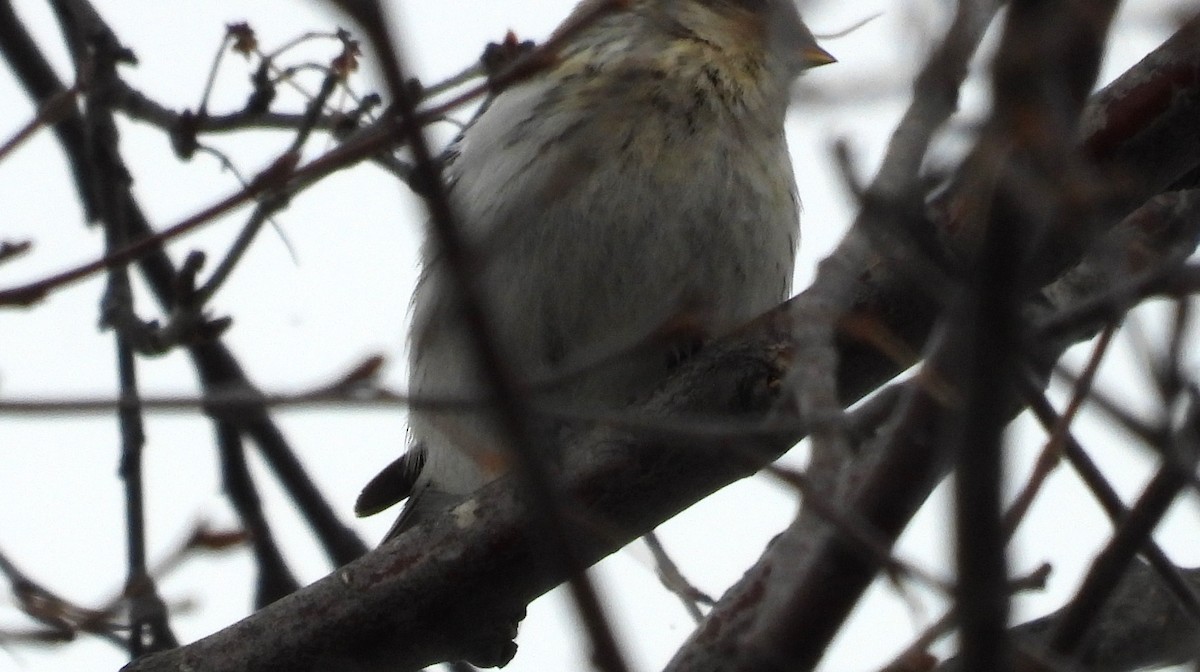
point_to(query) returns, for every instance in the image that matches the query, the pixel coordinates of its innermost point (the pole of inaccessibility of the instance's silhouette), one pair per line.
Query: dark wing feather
(391, 485)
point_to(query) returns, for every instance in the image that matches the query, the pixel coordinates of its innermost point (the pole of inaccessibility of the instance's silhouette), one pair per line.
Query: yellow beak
(814, 56)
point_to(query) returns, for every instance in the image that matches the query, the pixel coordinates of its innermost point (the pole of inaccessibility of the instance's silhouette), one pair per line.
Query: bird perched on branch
(628, 201)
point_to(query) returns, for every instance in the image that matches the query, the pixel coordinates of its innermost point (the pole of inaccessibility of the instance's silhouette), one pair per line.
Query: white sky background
(300, 324)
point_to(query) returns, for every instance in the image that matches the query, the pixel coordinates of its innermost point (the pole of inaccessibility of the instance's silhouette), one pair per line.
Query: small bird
(628, 202)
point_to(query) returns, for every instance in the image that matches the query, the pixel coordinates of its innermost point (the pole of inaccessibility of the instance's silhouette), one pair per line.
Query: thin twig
(1131, 535)
(856, 531)
(674, 581)
(513, 410)
(1108, 498)
(50, 113)
(1059, 434)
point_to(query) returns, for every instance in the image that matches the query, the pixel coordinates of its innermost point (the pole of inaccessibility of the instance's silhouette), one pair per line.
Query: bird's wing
(391, 485)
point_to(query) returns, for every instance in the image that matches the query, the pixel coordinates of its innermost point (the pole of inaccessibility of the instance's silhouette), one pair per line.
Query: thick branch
(1135, 150)
(427, 596)
(488, 559)
(216, 365)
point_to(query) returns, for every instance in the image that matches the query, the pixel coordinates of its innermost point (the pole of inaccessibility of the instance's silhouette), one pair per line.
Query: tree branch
(425, 597)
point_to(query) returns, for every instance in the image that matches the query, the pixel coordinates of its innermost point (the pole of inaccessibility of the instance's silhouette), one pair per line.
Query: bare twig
(1109, 500)
(10, 250)
(1111, 564)
(217, 368)
(673, 580)
(891, 201)
(916, 657)
(1059, 434)
(49, 114)
(513, 410)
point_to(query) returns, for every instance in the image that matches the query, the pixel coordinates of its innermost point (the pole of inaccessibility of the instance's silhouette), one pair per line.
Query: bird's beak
(812, 56)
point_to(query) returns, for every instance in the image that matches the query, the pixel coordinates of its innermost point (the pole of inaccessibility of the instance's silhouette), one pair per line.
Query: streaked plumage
(635, 196)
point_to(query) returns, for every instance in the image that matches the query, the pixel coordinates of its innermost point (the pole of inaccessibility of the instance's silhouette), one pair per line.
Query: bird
(621, 206)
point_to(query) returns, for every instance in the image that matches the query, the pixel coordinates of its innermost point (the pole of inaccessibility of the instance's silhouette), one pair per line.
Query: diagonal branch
(421, 599)
(1137, 150)
(216, 366)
